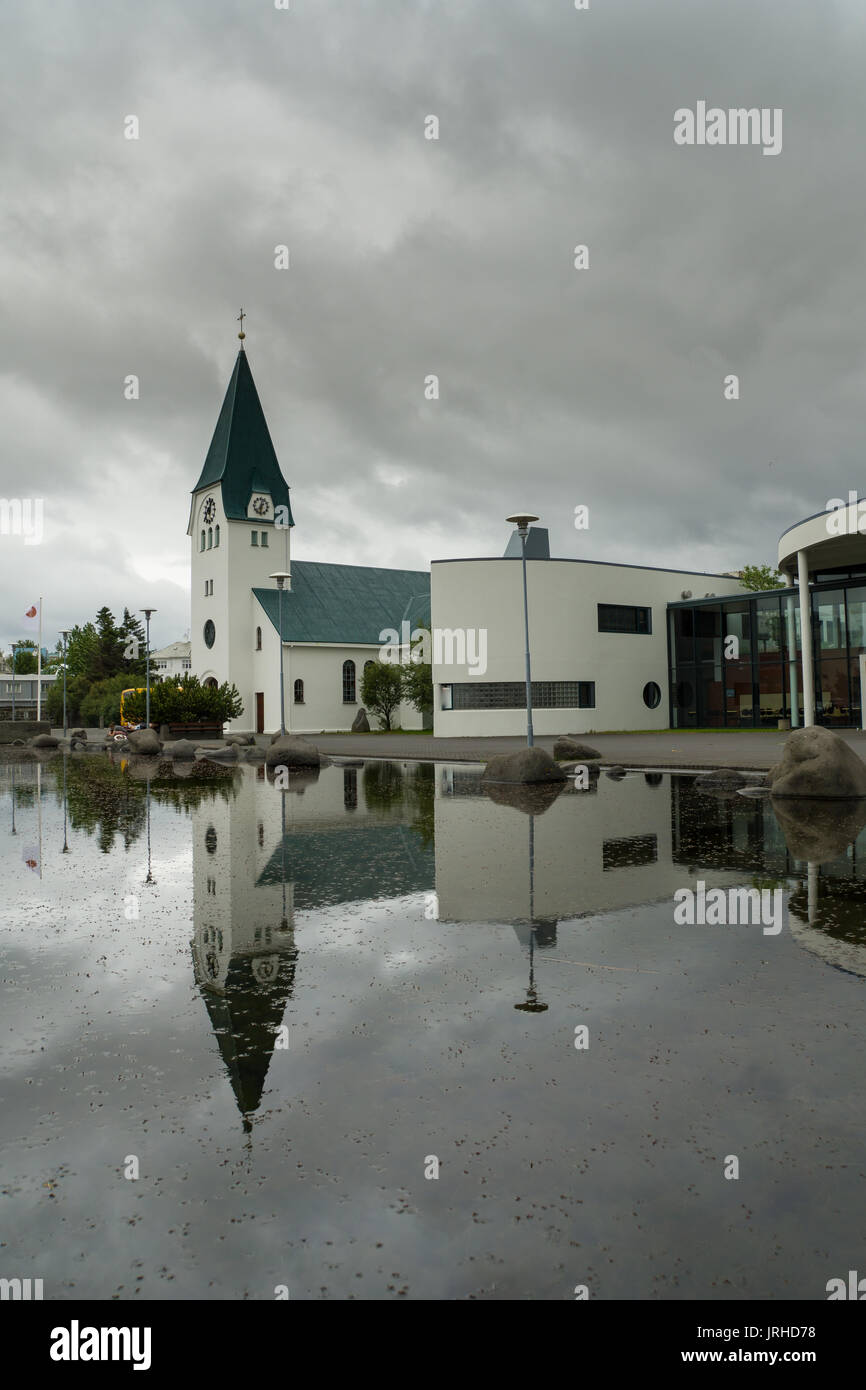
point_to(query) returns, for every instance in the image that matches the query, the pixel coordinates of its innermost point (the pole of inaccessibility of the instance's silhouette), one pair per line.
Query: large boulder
(819, 764)
(145, 741)
(79, 733)
(252, 754)
(527, 765)
(242, 740)
(818, 830)
(218, 755)
(180, 750)
(361, 724)
(44, 741)
(291, 751)
(570, 749)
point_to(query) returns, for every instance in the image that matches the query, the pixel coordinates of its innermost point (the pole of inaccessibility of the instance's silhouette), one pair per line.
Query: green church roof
(346, 603)
(241, 457)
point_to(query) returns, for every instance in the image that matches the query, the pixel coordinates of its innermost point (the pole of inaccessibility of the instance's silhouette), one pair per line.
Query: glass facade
(735, 663)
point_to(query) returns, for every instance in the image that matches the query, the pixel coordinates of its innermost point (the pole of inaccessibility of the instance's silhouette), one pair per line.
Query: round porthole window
(209, 633)
(652, 695)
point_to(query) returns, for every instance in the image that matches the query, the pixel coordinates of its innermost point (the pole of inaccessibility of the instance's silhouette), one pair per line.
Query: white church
(240, 525)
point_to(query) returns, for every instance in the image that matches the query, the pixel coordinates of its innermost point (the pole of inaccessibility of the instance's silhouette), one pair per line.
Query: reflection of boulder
(819, 830)
(818, 763)
(527, 765)
(616, 772)
(719, 779)
(533, 798)
(142, 769)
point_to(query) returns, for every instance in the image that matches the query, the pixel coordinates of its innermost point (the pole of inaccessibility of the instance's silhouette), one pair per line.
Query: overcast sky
(558, 387)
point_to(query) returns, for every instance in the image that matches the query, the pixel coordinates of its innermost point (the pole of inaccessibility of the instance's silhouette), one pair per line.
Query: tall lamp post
(522, 521)
(13, 682)
(281, 577)
(147, 612)
(64, 633)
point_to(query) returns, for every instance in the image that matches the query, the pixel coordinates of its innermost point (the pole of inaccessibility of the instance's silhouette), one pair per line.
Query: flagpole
(39, 670)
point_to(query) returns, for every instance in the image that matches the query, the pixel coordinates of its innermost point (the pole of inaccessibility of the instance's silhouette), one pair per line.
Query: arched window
(299, 692)
(216, 537)
(203, 538)
(258, 639)
(348, 683)
(212, 683)
(209, 537)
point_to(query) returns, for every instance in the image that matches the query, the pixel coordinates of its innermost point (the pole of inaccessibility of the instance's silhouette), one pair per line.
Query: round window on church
(209, 633)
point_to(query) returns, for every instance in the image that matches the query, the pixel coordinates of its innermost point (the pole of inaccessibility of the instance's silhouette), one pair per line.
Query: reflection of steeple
(246, 1012)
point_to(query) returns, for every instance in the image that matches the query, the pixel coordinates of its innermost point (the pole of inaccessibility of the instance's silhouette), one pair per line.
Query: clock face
(209, 633)
(261, 506)
(209, 509)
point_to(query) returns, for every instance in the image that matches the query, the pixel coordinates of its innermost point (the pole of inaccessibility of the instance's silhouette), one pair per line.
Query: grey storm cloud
(410, 257)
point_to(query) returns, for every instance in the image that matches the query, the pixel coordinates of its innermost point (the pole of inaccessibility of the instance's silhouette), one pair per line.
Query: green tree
(132, 641)
(382, 689)
(82, 652)
(25, 657)
(102, 701)
(418, 686)
(759, 577)
(184, 700)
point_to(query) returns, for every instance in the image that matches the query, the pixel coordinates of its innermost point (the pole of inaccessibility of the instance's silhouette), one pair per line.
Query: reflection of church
(263, 857)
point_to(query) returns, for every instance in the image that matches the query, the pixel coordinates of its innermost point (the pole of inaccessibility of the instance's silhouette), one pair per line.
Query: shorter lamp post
(282, 576)
(147, 612)
(522, 521)
(13, 682)
(64, 633)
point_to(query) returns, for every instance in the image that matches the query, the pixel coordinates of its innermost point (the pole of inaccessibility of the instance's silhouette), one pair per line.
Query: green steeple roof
(241, 457)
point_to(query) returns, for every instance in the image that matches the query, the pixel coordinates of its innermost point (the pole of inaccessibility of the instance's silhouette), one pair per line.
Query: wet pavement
(244, 1028)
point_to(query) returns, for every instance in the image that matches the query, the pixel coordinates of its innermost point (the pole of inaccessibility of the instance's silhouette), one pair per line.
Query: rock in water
(817, 763)
(525, 766)
(571, 749)
(290, 751)
(44, 741)
(180, 750)
(144, 741)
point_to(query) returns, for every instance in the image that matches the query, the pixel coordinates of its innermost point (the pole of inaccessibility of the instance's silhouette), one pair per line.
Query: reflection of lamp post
(64, 633)
(281, 576)
(531, 1004)
(521, 521)
(147, 612)
(150, 878)
(65, 840)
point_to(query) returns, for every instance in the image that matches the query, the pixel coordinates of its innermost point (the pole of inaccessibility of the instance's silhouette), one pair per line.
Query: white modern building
(328, 622)
(598, 636)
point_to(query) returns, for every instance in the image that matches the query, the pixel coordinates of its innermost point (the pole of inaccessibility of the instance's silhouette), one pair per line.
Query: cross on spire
(242, 334)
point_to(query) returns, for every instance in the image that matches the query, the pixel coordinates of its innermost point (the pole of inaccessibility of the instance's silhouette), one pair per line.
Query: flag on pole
(31, 617)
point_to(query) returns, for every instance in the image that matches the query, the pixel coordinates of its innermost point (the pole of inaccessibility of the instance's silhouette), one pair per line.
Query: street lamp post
(64, 633)
(522, 521)
(281, 576)
(13, 682)
(147, 612)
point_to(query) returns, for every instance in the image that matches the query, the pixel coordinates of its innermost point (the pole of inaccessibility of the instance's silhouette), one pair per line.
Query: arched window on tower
(216, 537)
(299, 692)
(258, 639)
(348, 683)
(209, 537)
(203, 540)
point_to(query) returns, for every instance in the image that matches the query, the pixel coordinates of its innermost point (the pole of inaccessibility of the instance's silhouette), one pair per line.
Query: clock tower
(239, 523)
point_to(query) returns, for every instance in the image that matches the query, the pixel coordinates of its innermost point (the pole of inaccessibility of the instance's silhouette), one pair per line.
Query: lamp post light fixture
(281, 576)
(64, 633)
(147, 612)
(522, 521)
